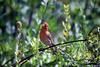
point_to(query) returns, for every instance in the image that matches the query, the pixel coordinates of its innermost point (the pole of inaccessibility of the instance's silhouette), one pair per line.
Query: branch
(23, 60)
(91, 63)
(43, 49)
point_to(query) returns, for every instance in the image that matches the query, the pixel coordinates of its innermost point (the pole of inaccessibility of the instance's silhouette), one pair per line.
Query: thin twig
(91, 63)
(23, 60)
(43, 49)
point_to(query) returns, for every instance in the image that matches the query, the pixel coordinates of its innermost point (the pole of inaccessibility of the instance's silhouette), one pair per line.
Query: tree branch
(43, 49)
(91, 63)
(23, 60)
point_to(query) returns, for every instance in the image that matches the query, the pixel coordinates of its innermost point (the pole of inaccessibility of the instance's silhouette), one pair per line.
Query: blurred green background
(69, 20)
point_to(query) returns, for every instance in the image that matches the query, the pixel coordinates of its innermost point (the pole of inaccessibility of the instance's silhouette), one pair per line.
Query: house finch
(46, 37)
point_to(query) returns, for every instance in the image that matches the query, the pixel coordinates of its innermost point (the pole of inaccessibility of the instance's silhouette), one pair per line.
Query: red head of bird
(44, 26)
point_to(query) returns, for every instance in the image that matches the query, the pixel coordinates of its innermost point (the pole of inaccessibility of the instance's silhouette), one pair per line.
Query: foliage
(74, 25)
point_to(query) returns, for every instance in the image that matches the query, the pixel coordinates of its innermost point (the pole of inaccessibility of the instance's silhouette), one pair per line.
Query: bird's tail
(54, 49)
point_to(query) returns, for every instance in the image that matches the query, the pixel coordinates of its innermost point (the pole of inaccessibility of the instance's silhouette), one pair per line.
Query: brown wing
(49, 37)
(51, 42)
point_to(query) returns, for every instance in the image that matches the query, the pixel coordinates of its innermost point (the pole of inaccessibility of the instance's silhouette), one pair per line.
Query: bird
(46, 37)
